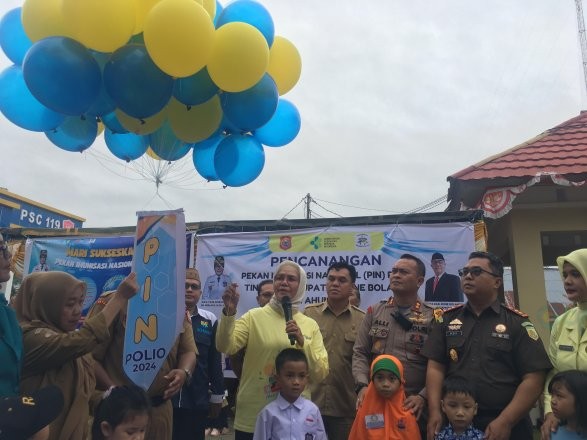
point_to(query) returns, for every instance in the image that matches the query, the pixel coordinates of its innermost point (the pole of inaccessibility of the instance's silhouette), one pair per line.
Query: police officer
(216, 284)
(495, 348)
(398, 326)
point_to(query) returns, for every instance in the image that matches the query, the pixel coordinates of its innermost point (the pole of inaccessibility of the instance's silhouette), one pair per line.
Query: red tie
(435, 284)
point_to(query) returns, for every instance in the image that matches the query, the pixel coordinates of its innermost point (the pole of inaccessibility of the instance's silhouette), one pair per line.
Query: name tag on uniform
(566, 348)
(374, 421)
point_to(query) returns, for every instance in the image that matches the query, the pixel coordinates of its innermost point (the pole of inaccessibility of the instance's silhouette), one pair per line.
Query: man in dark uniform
(495, 348)
(398, 326)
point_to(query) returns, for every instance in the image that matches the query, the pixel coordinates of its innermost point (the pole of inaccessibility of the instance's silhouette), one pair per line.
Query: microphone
(286, 304)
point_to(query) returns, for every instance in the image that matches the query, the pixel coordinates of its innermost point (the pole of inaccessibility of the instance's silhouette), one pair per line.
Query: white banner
(249, 258)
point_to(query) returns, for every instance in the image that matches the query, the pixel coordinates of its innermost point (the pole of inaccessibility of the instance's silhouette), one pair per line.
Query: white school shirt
(281, 420)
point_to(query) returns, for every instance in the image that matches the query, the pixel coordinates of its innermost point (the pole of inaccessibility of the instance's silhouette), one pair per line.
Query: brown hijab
(42, 296)
(39, 303)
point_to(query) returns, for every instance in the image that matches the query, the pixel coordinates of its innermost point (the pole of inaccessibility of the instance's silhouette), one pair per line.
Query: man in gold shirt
(339, 322)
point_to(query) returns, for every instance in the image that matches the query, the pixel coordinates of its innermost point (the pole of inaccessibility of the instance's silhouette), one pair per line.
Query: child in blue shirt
(568, 390)
(460, 406)
(290, 416)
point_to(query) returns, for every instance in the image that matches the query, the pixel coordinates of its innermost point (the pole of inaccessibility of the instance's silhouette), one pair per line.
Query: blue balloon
(195, 89)
(227, 127)
(111, 121)
(166, 145)
(251, 108)
(126, 146)
(239, 159)
(251, 12)
(219, 9)
(137, 86)
(203, 157)
(13, 40)
(76, 133)
(20, 107)
(282, 128)
(103, 103)
(61, 74)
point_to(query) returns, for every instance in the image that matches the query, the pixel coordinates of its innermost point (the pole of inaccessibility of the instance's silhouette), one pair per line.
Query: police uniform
(493, 351)
(215, 286)
(382, 333)
(335, 395)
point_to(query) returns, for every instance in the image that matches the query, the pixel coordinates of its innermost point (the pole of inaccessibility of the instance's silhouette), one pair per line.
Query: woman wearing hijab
(568, 338)
(264, 332)
(48, 307)
(10, 334)
(382, 416)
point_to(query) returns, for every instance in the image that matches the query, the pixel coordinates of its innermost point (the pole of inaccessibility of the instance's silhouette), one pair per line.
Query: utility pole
(582, 39)
(308, 201)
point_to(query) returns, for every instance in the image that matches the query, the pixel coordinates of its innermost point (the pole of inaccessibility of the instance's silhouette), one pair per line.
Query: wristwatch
(359, 386)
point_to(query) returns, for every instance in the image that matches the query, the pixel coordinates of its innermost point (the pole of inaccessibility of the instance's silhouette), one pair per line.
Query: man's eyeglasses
(192, 286)
(475, 272)
(5, 251)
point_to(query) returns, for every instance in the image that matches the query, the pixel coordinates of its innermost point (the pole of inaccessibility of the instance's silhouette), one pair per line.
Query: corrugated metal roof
(561, 150)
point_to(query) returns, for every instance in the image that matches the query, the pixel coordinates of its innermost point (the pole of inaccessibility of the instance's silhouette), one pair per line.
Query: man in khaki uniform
(176, 370)
(339, 322)
(398, 326)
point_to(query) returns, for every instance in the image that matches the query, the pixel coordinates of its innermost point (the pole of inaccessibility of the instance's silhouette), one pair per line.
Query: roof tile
(561, 150)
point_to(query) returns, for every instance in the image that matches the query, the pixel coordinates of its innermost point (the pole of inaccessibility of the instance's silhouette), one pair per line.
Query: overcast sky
(394, 97)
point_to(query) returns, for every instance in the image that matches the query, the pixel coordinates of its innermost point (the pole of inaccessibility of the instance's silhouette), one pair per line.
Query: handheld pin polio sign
(155, 315)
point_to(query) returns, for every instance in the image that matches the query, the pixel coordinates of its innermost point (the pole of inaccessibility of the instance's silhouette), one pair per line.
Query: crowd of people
(399, 370)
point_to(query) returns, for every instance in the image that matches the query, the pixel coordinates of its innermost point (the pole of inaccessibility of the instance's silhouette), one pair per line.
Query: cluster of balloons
(165, 77)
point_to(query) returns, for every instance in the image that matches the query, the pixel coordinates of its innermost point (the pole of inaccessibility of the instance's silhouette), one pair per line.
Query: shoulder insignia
(532, 333)
(438, 315)
(516, 311)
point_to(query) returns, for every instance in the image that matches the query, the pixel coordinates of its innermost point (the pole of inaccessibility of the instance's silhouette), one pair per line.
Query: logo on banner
(362, 240)
(68, 224)
(315, 242)
(285, 242)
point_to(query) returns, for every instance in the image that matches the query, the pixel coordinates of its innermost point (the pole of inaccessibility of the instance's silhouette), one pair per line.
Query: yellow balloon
(100, 128)
(141, 126)
(285, 64)
(196, 123)
(42, 19)
(178, 36)
(142, 8)
(240, 57)
(102, 25)
(152, 154)
(210, 7)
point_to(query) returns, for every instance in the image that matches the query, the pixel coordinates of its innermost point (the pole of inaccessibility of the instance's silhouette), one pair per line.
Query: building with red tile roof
(534, 199)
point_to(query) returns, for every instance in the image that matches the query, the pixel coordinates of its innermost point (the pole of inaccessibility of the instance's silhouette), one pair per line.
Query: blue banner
(155, 315)
(101, 262)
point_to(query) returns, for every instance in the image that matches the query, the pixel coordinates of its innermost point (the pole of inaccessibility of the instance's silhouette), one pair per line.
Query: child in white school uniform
(290, 416)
